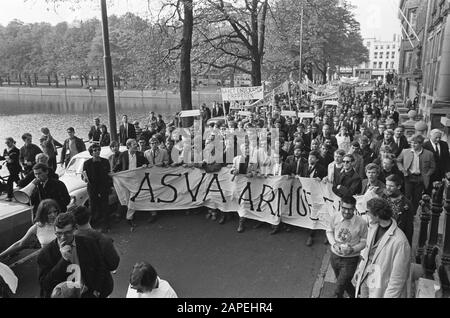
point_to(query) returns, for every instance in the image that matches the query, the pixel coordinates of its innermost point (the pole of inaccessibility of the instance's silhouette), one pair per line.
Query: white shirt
(132, 161)
(415, 165)
(164, 290)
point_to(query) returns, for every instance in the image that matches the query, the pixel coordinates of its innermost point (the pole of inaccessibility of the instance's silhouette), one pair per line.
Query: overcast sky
(378, 18)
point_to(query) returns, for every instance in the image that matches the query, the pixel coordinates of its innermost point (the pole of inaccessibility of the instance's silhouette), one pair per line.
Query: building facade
(425, 58)
(383, 56)
(435, 97)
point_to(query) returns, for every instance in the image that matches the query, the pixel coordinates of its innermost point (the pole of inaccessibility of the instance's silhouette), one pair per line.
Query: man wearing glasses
(96, 175)
(72, 258)
(347, 182)
(347, 235)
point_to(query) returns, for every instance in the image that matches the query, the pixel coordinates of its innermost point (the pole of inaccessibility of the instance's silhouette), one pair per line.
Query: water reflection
(29, 113)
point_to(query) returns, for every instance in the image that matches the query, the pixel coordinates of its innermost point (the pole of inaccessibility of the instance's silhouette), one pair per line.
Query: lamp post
(301, 42)
(300, 65)
(108, 74)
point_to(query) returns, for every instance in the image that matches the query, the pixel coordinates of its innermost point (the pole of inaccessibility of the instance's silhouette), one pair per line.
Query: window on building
(374, 64)
(388, 47)
(376, 47)
(380, 65)
(407, 61)
(376, 55)
(412, 19)
(381, 55)
(393, 54)
(393, 47)
(381, 47)
(392, 65)
(387, 65)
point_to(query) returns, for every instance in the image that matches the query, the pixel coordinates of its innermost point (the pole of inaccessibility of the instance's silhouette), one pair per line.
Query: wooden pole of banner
(289, 96)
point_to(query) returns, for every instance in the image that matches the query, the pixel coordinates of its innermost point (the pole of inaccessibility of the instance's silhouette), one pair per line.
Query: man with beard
(401, 207)
(347, 233)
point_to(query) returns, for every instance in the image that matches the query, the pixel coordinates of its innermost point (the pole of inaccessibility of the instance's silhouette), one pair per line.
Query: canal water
(29, 113)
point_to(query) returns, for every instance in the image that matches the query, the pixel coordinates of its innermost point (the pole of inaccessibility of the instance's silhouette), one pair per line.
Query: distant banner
(242, 93)
(301, 202)
(364, 89)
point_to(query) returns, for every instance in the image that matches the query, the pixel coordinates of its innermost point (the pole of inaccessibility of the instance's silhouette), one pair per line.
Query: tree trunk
(29, 80)
(35, 80)
(49, 80)
(56, 80)
(98, 81)
(81, 79)
(8, 79)
(256, 70)
(65, 81)
(20, 79)
(185, 61)
(1, 81)
(118, 82)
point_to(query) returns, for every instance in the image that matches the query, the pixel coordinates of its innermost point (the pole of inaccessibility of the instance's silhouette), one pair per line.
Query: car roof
(105, 153)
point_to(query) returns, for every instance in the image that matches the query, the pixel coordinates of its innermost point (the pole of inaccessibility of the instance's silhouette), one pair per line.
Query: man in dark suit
(48, 188)
(441, 154)
(392, 113)
(295, 165)
(417, 165)
(73, 258)
(138, 158)
(314, 171)
(96, 174)
(129, 160)
(126, 131)
(348, 181)
(400, 140)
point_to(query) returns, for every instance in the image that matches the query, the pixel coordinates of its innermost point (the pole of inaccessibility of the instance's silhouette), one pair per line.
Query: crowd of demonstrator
(358, 146)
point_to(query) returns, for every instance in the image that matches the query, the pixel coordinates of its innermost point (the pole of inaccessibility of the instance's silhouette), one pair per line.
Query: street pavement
(202, 259)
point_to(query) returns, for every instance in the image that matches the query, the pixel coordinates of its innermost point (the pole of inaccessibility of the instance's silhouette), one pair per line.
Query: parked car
(71, 176)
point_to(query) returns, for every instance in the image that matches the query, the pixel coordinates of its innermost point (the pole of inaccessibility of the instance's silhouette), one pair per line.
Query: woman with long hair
(42, 229)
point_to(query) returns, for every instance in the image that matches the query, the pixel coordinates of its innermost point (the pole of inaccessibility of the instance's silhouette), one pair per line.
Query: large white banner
(242, 93)
(300, 202)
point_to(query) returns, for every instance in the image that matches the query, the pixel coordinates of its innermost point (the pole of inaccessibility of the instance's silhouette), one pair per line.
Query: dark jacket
(53, 268)
(94, 133)
(350, 183)
(318, 171)
(22, 183)
(290, 167)
(79, 144)
(442, 160)
(365, 187)
(123, 136)
(110, 256)
(123, 163)
(403, 144)
(14, 166)
(99, 181)
(105, 140)
(53, 189)
(29, 153)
